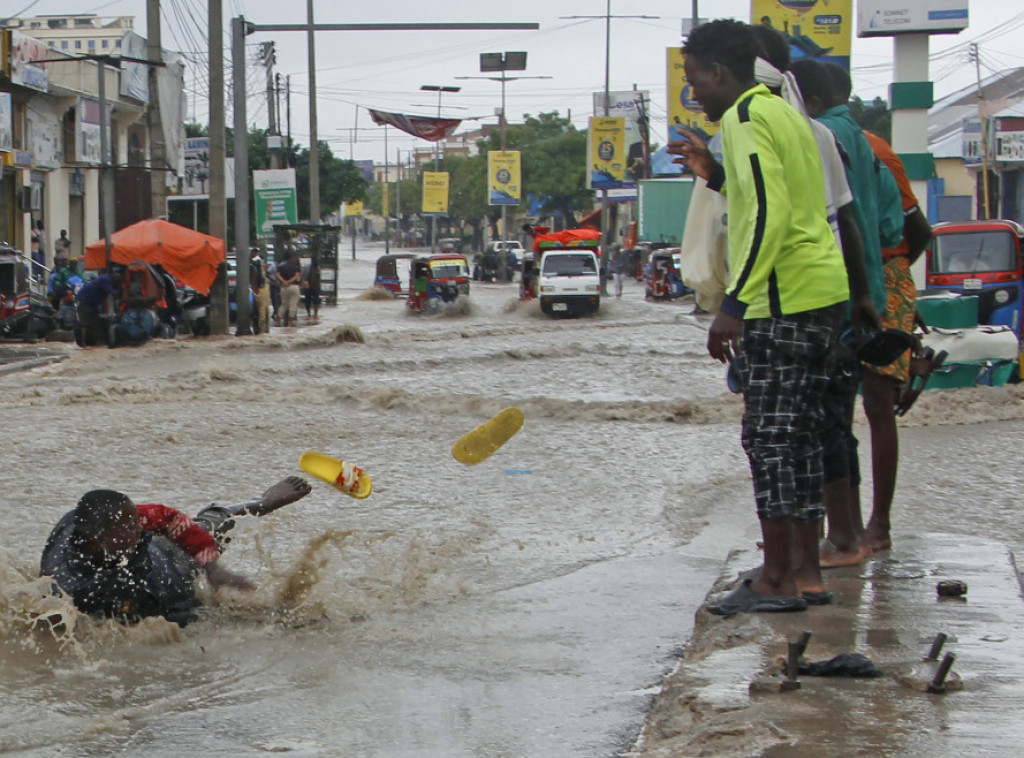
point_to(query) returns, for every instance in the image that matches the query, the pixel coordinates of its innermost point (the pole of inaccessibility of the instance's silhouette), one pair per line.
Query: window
(92, 44)
(117, 43)
(106, 44)
(78, 44)
(64, 45)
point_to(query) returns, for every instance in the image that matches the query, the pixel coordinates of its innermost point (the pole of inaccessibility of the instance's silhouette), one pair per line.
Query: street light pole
(439, 89)
(503, 62)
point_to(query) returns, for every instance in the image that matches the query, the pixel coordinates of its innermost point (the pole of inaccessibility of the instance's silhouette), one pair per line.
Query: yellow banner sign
(354, 208)
(435, 193)
(683, 111)
(384, 199)
(606, 146)
(819, 29)
(503, 178)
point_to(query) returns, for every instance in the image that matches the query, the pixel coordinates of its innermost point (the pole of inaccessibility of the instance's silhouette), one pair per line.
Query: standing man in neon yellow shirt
(783, 306)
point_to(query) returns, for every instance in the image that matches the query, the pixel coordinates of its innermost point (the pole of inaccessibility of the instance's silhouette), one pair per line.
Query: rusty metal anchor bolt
(938, 684)
(793, 666)
(940, 640)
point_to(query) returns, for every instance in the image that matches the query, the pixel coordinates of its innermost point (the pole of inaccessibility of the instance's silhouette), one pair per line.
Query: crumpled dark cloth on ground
(845, 664)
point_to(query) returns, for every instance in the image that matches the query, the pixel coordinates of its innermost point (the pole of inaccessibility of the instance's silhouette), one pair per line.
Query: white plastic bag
(705, 247)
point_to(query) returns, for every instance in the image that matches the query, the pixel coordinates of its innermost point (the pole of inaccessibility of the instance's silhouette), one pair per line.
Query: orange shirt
(884, 152)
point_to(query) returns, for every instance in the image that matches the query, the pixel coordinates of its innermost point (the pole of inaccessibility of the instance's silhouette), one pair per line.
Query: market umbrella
(190, 256)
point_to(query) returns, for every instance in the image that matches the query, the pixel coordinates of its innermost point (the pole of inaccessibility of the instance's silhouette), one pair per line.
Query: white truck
(568, 282)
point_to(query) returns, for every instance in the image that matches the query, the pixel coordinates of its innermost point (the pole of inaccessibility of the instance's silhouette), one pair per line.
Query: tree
(875, 118)
(554, 160)
(340, 181)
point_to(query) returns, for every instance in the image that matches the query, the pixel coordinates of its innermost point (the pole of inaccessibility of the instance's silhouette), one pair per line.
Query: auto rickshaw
(437, 279)
(663, 280)
(393, 273)
(23, 311)
(981, 258)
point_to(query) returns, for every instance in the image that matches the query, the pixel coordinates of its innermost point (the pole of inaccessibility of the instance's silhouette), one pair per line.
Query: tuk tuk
(663, 281)
(23, 311)
(393, 273)
(981, 258)
(436, 280)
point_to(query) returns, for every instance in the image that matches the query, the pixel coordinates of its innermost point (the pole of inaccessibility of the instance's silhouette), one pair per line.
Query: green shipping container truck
(662, 206)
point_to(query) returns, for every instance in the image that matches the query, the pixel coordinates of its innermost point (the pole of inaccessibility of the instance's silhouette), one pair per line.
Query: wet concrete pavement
(726, 699)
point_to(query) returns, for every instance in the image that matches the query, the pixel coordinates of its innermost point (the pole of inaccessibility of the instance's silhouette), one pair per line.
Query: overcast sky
(385, 69)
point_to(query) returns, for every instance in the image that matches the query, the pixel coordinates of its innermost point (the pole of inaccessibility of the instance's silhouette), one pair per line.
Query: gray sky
(385, 69)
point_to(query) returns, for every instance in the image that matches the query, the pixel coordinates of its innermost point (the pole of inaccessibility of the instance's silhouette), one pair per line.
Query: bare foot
(804, 584)
(832, 557)
(286, 491)
(877, 537)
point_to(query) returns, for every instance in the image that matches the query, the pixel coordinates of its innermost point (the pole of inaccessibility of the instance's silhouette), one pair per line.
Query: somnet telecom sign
(885, 18)
(274, 199)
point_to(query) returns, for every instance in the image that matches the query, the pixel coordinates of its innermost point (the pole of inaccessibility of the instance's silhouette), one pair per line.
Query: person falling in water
(127, 561)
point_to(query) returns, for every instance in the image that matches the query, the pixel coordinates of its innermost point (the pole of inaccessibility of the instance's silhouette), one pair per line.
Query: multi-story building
(82, 34)
(51, 130)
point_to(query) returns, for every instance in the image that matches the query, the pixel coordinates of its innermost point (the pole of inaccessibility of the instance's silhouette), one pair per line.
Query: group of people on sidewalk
(822, 229)
(278, 290)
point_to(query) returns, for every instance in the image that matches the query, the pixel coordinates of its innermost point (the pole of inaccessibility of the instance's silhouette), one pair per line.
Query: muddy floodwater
(526, 606)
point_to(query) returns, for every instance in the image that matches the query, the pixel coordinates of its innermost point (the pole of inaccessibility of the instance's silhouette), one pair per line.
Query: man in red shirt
(127, 561)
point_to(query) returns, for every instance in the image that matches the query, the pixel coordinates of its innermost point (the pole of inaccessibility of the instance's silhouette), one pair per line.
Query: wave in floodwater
(336, 577)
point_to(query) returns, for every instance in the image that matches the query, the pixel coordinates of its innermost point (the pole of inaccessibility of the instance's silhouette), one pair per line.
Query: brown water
(526, 606)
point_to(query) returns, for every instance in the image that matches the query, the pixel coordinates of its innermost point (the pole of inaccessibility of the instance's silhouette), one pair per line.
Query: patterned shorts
(900, 306)
(782, 368)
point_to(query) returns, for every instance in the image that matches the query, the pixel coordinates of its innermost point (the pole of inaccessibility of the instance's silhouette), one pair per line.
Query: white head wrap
(766, 74)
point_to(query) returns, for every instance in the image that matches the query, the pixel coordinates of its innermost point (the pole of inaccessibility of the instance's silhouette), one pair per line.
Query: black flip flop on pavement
(743, 599)
(818, 598)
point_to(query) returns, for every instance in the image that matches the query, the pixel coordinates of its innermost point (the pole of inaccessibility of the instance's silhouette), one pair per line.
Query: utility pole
(219, 309)
(439, 89)
(384, 196)
(314, 145)
(243, 323)
(157, 146)
(398, 198)
(986, 207)
(503, 62)
(267, 56)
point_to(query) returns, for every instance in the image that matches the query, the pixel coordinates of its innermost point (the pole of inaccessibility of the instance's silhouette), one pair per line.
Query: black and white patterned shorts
(782, 368)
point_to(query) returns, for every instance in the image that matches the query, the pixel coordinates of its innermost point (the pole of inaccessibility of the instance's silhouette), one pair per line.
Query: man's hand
(864, 316)
(219, 576)
(723, 337)
(694, 154)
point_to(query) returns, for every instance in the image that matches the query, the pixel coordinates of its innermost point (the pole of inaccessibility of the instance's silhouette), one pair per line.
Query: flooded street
(527, 606)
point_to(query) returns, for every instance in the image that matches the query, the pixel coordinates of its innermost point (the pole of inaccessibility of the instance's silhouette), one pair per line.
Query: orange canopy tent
(192, 257)
(587, 238)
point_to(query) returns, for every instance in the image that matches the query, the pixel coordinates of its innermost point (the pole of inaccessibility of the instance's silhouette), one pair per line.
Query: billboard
(885, 18)
(435, 193)
(634, 106)
(820, 29)
(29, 74)
(6, 123)
(274, 199)
(683, 111)
(87, 131)
(196, 174)
(504, 183)
(606, 152)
